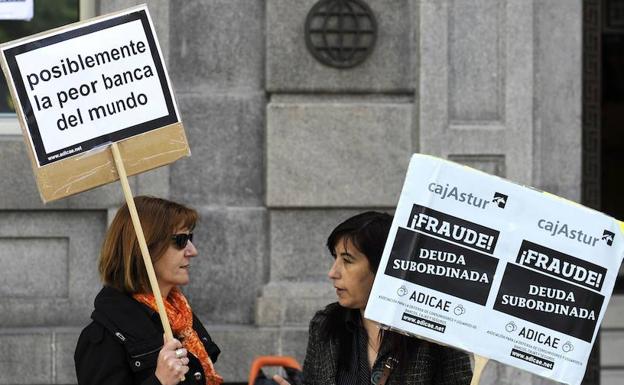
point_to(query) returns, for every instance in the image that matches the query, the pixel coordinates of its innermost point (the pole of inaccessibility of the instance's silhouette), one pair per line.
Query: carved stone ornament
(340, 33)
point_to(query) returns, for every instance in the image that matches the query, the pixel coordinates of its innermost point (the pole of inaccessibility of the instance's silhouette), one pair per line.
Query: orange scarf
(181, 319)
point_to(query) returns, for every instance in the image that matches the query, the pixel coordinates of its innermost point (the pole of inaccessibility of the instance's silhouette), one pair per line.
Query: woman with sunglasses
(124, 342)
(344, 348)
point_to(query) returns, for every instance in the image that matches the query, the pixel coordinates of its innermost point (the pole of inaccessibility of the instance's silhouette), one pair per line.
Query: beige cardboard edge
(92, 169)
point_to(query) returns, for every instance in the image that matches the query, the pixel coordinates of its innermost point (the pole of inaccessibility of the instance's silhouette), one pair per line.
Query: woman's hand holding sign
(172, 363)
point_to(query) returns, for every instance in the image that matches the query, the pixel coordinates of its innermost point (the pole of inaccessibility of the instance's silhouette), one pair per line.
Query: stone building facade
(285, 147)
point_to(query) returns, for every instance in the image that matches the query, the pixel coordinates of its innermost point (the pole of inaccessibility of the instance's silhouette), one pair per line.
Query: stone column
(338, 142)
(216, 63)
(500, 90)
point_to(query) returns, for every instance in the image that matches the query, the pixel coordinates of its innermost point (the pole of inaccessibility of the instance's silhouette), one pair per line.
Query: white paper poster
(16, 9)
(90, 84)
(494, 268)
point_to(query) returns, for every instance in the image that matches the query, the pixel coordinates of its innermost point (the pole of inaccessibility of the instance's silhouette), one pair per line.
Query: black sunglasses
(181, 240)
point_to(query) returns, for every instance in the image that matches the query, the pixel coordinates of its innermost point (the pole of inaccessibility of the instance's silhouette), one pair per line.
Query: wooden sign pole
(480, 362)
(147, 260)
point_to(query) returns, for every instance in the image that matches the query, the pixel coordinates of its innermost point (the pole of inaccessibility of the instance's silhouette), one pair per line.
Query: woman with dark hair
(124, 343)
(345, 348)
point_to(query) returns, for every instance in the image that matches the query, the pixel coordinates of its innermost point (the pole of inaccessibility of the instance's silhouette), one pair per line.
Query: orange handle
(261, 361)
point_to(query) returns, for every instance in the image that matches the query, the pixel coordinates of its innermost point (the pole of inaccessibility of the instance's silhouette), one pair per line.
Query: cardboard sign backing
(81, 87)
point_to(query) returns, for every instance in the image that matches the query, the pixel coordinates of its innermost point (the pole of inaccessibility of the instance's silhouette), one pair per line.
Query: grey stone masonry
(292, 303)
(299, 285)
(217, 45)
(48, 255)
(611, 377)
(291, 68)
(476, 82)
(50, 271)
(64, 345)
(26, 357)
(611, 339)
(298, 243)
(225, 134)
(558, 76)
(229, 271)
(336, 154)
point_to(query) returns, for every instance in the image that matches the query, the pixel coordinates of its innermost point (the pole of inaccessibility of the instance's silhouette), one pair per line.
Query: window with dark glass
(48, 14)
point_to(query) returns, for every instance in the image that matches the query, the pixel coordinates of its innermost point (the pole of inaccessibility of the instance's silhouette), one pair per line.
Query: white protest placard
(82, 87)
(494, 268)
(16, 9)
(90, 87)
(98, 82)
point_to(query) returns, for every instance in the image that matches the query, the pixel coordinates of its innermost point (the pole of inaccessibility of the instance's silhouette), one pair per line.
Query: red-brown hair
(121, 264)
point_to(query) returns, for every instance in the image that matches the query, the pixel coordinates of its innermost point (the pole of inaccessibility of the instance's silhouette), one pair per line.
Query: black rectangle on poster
(423, 322)
(549, 302)
(442, 266)
(532, 359)
(452, 228)
(558, 264)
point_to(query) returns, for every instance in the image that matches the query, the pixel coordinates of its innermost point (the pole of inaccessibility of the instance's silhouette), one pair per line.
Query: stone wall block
(611, 377)
(613, 317)
(48, 280)
(217, 44)
(227, 275)
(475, 54)
(292, 303)
(154, 182)
(337, 155)
(611, 343)
(18, 185)
(240, 345)
(298, 238)
(294, 342)
(54, 279)
(291, 68)
(558, 87)
(26, 358)
(476, 82)
(65, 344)
(226, 136)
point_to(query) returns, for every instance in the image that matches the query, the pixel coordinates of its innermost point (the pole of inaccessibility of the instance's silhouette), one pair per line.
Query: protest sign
(81, 87)
(494, 268)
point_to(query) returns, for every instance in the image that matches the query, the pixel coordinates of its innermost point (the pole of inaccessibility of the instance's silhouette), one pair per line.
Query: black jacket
(122, 343)
(426, 364)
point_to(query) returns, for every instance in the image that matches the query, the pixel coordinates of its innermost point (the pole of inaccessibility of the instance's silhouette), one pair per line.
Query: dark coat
(427, 363)
(122, 343)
